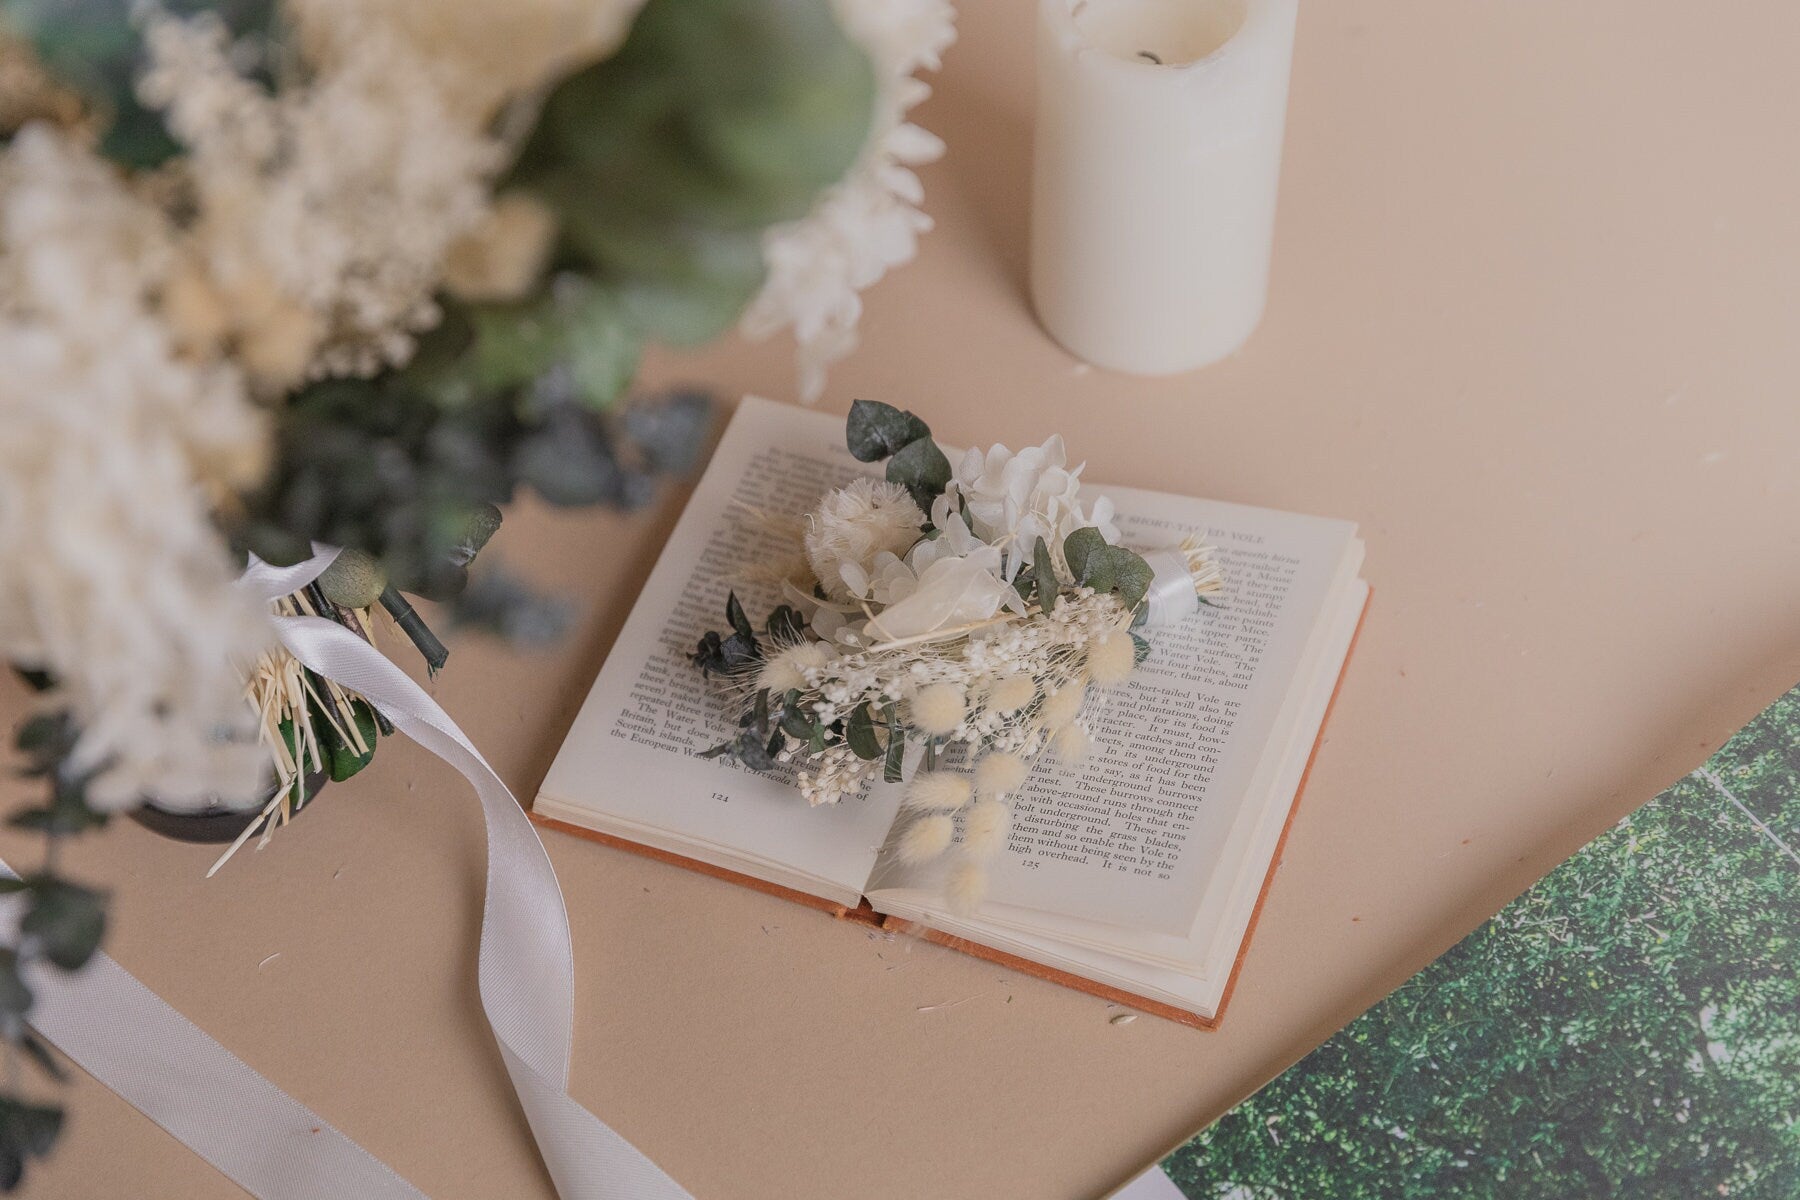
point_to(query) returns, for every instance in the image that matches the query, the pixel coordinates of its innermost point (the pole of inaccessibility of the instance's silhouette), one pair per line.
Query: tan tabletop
(1535, 324)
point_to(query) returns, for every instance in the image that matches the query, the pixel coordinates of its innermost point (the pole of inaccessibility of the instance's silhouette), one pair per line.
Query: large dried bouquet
(353, 273)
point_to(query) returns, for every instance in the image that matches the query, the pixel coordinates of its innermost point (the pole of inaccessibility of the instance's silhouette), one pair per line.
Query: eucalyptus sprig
(61, 924)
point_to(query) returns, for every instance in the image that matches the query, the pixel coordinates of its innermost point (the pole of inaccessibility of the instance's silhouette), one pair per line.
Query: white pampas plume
(1063, 705)
(984, 829)
(938, 790)
(999, 774)
(1011, 694)
(1071, 743)
(1111, 658)
(938, 710)
(966, 887)
(926, 838)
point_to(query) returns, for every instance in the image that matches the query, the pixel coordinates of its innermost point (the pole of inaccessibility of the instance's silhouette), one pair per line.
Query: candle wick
(1150, 56)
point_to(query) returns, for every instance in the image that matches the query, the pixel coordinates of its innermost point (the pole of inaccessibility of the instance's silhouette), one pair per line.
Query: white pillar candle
(1158, 148)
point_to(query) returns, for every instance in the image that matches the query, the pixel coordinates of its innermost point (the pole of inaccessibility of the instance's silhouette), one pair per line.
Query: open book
(1135, 873)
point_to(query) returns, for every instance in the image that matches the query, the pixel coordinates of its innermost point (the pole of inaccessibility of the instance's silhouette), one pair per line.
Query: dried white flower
(984, 829)
(112, 575)
(926, 838)
(787, 668)
(938, 790)
(1112, 658)
(938, 709)
(323, 211)
(852, 527)
(1071, 743)
(935, 590)
(966, 887)
(1063, 706)
(1011, 694)
(870, 222)
(1000, 774)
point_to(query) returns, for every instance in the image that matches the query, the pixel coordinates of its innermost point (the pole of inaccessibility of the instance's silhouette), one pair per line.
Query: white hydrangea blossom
(870, 222)
(1014, 499)
(112, 576)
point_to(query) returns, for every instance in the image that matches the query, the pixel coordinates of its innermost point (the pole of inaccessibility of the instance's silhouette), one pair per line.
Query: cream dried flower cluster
(955, 648)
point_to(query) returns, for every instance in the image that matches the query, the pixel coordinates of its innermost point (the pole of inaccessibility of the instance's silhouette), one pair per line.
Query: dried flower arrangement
(945, 616)
(355, 272)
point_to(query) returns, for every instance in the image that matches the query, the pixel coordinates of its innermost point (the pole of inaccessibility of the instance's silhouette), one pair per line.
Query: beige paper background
(1533, 324)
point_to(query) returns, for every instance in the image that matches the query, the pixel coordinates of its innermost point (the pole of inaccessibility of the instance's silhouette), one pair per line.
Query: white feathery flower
(1062, 706)
(1071, 743)
(869, 222)
(1000, 774)
(852, 527)
(932, 791)
(786, 669)
(112, 575)
(926, 838)
(1111, 658)
(1011, 694)
(966, 887)
(984, 829)
(938, 709)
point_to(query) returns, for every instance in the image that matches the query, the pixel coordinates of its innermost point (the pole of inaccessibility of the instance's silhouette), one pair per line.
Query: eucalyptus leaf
(922, 468)
(15, 997)
(859, 732)
(896, 747)
(734, 613)
(875, 431)
(1078, 546)
(1132, 576)
(66, 919)
(1044, 571)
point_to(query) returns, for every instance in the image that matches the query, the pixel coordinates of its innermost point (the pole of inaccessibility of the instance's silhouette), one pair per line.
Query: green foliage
(922, 469)
(1628, 1027)
(60, 923)
(1107, 568)
(859, 732)
(26, 1131)
(732, 653)
(666, 161)
(896, 745)
(1043, 573)
(875, 431)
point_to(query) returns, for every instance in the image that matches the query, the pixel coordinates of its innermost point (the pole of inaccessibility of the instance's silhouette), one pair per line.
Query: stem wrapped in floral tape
(947, 628)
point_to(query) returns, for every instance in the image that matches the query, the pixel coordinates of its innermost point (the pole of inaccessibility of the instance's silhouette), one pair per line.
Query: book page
(631, 753)
(1132, 835)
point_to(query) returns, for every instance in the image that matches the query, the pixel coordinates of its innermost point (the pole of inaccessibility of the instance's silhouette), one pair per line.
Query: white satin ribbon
(268, 1143)
(1171, 597)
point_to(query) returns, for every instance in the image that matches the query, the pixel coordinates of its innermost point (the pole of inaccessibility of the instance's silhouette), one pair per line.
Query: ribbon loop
(265, 1141)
